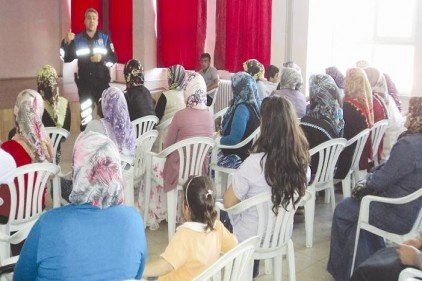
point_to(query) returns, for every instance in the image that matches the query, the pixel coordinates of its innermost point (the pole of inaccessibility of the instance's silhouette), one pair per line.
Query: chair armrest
(248, 203)
(410, 272)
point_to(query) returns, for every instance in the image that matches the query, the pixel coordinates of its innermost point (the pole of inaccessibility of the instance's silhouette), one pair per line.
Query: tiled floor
(310, 262)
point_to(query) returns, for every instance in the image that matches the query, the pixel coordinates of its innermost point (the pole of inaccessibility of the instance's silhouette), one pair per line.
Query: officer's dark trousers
(91, 90)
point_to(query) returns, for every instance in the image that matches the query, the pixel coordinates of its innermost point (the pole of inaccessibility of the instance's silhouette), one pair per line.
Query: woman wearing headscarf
(240, 121)
(96, 237)
(138, 97)
(324, 118)
(358, 115)
(56, 108)
(399, 176)
(392, 90)
(171, 100)
(257, 71)
(115, 123)
(290, 83)
(338, 77)
(193, 121)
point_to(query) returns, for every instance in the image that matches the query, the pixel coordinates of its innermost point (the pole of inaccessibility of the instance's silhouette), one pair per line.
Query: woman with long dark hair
(278, 164)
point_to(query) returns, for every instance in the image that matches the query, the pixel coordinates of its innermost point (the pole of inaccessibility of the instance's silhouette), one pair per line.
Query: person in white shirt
(210, 75)
(272, 73)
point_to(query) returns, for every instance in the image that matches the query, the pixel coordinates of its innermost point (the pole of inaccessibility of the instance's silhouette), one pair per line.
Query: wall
(30, 32)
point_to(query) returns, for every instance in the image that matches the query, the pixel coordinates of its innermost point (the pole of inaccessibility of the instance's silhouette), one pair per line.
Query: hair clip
(209, 192)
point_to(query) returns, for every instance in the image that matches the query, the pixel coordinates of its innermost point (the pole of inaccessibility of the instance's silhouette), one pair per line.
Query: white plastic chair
(56, 136)
(410, 274)
(128, 173)
(363, 222)
(162, 132)
(352, 176)
(329, 152)
(232, 265)
(221, 183)
(26, 198)
(377, 134)
(217, 115)
(192, 154)
(144, 124)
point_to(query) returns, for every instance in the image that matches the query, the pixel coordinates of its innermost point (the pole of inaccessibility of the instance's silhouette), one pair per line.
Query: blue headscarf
(244, 91)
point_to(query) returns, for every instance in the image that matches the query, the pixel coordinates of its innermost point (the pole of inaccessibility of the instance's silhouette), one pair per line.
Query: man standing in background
(95, 53)
(210, 75)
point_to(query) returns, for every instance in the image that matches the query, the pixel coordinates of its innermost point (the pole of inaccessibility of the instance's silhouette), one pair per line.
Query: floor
(310, 262)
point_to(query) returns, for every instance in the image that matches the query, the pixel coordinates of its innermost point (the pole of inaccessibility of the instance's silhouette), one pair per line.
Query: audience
(290, 83)
(240, 121)
(199, 241)
(392, 90)
(95, 237)
(399, 176)
(338, 77)
(115, 122)
(278, 164)
(257, 71)
(139, 100)
(193, 121)
(210, 75)
(292, 64)
(272, 73)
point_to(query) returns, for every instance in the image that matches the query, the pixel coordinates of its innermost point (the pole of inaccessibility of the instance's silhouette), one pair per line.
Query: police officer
(95, 53)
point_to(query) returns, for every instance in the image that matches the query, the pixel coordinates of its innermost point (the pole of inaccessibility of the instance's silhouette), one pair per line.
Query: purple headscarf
(117, 121)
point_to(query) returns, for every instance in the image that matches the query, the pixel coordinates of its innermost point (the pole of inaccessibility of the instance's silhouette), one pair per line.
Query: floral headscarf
(292, 64)
(117, 121)
(325, 101)
(414, 116)
(358, 92)
(195, 91)
(31, 134)
(336, 74)
(134, 73)
(176, 75)
(254, 68)
(392, 90)
(290, 78)
(244, 91)
(377, 81)
(97, 172)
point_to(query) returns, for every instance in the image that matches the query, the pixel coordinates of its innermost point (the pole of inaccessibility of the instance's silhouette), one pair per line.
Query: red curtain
(120, 28)
(78, 8)
(243, 31)
(181, 31)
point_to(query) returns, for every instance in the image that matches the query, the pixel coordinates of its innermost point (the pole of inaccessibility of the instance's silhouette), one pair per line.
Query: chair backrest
(192, 153)
(56, 136)
(144, 124)
(143, 145)
(26, 193)
(360, 140)
(231, 266)
(377, 133)
(224, 96)
(162, 132)
(329, 152)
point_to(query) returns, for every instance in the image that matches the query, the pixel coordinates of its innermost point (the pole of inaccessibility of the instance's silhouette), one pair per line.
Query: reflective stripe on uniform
(101, 51)
(82, 52)
(109, 64)
(61, 53)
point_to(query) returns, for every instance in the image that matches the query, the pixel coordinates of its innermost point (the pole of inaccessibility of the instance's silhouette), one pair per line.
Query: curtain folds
(120, 26)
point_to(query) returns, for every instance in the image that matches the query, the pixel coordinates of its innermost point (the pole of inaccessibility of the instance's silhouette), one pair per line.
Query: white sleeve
(8, 167)
(248, 172)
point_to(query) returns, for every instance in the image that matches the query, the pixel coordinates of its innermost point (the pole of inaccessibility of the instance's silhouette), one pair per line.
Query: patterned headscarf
(244, 91)
(134, 73)
(292, 64)
(358, 92)
(195, 91)
(362, 63)
(377, 81)
(325, 101)
(117, 121)
(414, 116)
(254, 68)
(336, 74)
(290, 78)
(31, 133)
(176, 75)
(97, 172)
(392, 90)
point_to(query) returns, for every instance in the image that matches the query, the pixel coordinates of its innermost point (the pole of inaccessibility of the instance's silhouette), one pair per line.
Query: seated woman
(324, 119)
(31, 144)
(290, 83)
(139, 100)
(240, 121)
(171, 101)
(94, 238)
(115, 122)
(358, 115)
(193, 121)
(257, 71)
(278, 164)
(338, 77)
(399, 176)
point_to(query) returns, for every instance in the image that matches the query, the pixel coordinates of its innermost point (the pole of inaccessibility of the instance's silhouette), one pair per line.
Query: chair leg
(171, 212)
(309, 217)
(57, 191)
(327, 195)
(129, 190)
(278, 270)
(291, 260)
(333, 198)
(147, 195)
(217, 184)
(355, 248)
(268, 266)
(346, 186)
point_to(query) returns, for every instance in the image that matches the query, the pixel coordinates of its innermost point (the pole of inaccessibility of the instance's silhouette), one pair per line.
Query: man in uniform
(210, 75)
(95, 53)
